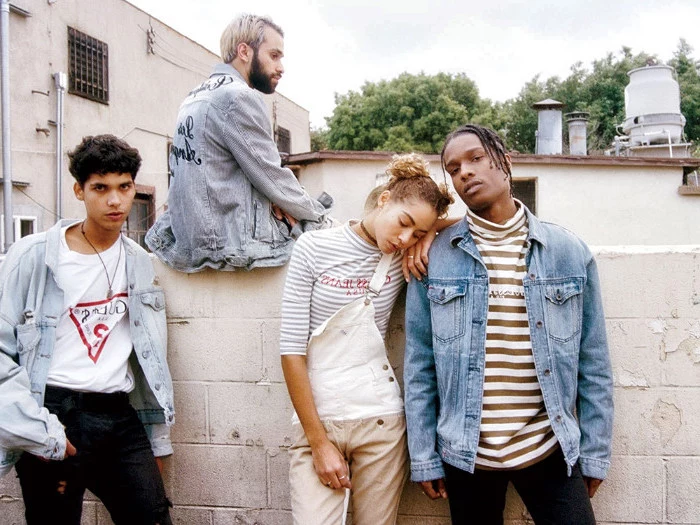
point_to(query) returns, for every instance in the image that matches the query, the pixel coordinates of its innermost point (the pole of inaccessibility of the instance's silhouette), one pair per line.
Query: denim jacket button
(558, 419)
(391, 380)
(385, 367)
(137, 323)
(539, 324)
(532, 276)
(380, 422)
(547, 372)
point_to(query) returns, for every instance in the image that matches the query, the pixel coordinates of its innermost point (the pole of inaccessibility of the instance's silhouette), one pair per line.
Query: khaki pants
(375, 449)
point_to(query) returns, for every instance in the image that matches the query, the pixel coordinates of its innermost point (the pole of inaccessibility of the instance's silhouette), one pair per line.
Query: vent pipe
(548, 137)
(578, 122)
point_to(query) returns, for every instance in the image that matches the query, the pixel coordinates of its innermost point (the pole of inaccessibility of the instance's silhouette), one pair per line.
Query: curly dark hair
(103, 154)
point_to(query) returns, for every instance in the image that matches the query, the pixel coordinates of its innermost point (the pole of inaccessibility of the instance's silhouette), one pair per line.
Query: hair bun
(407, 166)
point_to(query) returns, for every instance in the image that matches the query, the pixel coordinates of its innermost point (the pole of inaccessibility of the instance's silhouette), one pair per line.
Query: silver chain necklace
(110, 292)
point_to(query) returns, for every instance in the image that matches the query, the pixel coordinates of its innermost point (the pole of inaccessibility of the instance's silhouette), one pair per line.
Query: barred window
(141, 216)
(88, 69)
(284, 140)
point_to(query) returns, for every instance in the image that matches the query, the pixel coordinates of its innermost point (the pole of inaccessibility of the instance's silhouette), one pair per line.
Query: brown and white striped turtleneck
(515, 429)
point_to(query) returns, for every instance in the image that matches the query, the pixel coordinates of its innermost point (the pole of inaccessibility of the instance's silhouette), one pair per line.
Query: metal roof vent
(578, 132)
(548, 135)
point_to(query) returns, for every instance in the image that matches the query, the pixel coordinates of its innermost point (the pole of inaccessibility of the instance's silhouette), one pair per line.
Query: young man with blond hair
(231, 204)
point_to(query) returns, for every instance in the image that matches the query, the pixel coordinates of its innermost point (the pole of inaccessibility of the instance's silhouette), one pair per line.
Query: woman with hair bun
(349, 426)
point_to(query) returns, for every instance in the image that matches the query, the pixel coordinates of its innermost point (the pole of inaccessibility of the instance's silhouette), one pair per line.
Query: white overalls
(359, 402)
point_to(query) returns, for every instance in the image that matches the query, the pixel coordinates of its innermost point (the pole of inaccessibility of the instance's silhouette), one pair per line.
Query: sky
(333, 47)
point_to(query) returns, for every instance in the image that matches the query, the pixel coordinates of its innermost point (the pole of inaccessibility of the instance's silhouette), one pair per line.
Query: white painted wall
(613, 204)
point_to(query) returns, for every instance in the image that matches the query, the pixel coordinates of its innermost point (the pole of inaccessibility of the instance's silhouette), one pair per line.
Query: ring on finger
(411, 257)
(328, 484)
(341, 477)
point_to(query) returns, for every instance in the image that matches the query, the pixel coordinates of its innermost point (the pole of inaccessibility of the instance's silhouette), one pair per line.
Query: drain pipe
(60, 81)
(5, 97)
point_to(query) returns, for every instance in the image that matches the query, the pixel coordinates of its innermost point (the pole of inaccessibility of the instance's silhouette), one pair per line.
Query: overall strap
(379, 277)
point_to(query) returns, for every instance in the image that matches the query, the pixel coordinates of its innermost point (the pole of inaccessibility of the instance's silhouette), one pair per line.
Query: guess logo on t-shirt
(96, 320)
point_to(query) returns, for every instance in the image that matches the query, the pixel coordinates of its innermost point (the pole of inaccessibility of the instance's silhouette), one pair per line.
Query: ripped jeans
(114, 461)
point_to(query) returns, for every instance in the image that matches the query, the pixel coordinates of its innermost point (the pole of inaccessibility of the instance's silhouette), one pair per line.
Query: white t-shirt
(93, 340)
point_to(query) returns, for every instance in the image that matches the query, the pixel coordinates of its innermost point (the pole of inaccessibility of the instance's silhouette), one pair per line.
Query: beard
(258, 79)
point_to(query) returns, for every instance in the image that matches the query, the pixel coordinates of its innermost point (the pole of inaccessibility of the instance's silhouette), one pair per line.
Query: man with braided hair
(507, 372)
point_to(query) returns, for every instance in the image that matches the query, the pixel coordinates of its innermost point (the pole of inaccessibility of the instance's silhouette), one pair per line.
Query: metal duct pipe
(61, 82)
(5, 97)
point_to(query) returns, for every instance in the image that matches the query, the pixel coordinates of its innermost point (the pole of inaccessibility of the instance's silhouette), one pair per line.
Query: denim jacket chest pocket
(564, 300)
(447, 309)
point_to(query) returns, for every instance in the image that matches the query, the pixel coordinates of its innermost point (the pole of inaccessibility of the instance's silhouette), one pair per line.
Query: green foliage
(416, 112)
(687, 70)
(410, 112)
(319, 139)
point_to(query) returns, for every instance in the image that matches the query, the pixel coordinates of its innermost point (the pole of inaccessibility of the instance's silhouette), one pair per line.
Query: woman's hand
(415, 258)
(330, 465)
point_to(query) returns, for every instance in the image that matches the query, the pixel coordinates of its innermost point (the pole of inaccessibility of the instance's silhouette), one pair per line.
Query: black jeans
(114, 461)
(550, 495)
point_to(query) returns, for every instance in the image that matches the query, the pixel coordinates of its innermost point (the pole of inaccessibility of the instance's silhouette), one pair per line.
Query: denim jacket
(444, 365)
(31, 304)
(226, 172)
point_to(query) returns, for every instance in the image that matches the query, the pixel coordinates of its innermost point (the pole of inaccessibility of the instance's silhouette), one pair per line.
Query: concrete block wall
(233, 413)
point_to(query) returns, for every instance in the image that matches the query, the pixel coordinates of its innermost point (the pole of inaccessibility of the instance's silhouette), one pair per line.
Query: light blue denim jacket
(30, 306)
(445, 350)
(226, 172)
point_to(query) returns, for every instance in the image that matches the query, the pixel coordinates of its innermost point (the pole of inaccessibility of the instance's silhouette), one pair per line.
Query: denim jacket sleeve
(420, 385)
(594, 404)
(245, 130)
(24, 425)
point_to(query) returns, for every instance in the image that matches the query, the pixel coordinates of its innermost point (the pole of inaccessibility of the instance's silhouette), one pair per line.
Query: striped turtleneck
(515, 430)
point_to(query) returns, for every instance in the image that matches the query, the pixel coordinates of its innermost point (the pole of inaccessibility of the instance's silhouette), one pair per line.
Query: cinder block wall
(233, 413)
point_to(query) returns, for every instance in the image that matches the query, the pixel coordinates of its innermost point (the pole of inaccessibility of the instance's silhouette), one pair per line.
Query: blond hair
(245, 29)
(409, 178)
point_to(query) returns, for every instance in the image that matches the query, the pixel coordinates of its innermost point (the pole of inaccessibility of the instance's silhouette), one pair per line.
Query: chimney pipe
(549, 133)
(577, 121)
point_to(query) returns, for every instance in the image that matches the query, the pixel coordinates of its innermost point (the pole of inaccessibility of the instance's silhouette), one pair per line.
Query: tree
(689, 81)
(410, 112)
(416, 112)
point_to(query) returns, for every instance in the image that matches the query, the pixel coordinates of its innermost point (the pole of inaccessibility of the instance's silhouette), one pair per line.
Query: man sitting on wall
(231, 203)
(83, 356)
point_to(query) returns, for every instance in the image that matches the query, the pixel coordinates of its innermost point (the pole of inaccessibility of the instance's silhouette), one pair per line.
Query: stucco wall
(618, 203)
(233, 421)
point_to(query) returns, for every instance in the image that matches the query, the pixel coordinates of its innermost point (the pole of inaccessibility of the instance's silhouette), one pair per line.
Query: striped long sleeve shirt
(515, 429)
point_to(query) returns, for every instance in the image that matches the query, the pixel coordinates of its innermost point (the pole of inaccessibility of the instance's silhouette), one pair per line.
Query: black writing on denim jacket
(212, 84)
(188, 153)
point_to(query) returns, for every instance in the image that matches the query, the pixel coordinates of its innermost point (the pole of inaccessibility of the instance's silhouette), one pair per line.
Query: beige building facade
(126, 73)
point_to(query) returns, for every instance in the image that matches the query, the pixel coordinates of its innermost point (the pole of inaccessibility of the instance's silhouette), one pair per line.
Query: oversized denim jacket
(30, 306)
(226, 171)
(445, 350)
